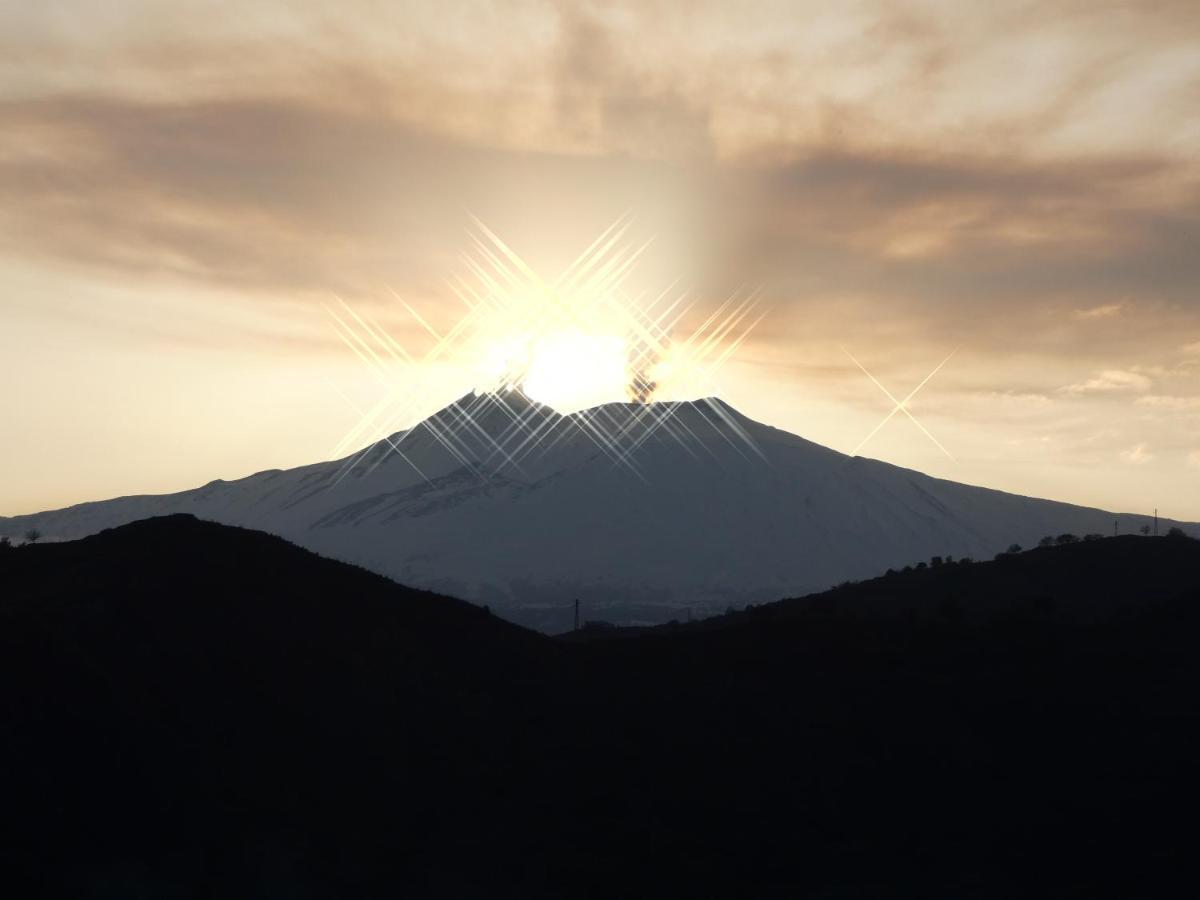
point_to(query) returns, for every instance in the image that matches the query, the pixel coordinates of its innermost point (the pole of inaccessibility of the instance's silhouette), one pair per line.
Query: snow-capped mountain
(639, 511)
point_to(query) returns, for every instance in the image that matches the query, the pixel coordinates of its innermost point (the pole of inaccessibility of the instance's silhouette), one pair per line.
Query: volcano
(642, 512)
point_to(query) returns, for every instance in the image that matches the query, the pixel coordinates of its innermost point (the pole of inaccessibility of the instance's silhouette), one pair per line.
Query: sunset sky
(185, 187)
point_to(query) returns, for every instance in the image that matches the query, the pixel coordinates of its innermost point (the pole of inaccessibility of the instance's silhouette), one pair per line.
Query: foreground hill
(505, 502)
(194, 710)
(1078, 582)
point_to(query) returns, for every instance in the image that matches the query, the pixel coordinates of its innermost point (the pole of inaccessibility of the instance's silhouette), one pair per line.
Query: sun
(569, 370)
(582, 339)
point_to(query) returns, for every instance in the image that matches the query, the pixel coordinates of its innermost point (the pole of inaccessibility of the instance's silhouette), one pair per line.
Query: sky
(187, 189)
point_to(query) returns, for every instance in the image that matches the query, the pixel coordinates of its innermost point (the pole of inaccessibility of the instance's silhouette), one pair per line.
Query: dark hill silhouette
(195, 710)
(1081, 582)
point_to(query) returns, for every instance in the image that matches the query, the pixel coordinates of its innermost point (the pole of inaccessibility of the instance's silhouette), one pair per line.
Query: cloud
(835, 150)
(271, 195)
(1027, 399)
(1137, 455)
(1035, 440)
(1104, 311)
(1110, 381)
(1060, 75)
(602, 99)
(1162, 401)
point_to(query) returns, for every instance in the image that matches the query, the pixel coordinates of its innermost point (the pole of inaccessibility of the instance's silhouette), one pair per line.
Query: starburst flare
(901, 406)
(579, 340)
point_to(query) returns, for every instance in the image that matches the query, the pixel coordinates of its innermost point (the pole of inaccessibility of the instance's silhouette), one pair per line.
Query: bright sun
(568, 370)
(576, 342)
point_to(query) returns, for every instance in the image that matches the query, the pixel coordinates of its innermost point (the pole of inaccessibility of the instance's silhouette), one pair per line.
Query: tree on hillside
(1145, 529)
(32, 536)
(1047, 541)
(1066, 539)
(1176, 532)
(1014, 548)
(1092, 537)
(5, 543)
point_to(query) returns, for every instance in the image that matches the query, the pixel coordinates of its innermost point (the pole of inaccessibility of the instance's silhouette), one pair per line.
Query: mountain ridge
(708, 509)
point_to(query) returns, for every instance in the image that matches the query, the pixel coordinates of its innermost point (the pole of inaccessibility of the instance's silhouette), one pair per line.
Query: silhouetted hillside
(1088, 581)
(195, 710)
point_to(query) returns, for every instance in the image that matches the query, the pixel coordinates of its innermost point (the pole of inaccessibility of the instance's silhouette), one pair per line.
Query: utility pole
(1156, 521)
(1116, 522)
(576, 613)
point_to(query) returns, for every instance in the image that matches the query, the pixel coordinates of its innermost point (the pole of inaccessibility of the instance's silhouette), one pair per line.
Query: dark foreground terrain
(192, 710)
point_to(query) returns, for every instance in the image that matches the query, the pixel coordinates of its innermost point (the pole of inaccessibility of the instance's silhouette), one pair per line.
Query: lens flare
(901, 405)
(574, 343)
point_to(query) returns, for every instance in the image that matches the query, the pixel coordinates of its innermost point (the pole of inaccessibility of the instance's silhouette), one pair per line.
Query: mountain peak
(634, 509)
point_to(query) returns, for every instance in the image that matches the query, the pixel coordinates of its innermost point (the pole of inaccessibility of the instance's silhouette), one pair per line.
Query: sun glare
(574, 342)
(571, 370)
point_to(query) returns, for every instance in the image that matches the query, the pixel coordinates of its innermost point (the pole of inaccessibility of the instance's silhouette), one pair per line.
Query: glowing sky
(184, 186)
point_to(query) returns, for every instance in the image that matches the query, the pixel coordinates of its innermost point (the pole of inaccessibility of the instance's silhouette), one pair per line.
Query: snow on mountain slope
(531, 511)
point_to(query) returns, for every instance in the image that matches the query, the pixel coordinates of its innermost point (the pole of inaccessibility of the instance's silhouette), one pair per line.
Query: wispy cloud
(1165, 401)
(1110, 381)
(1104, 311)
(1137, 455)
